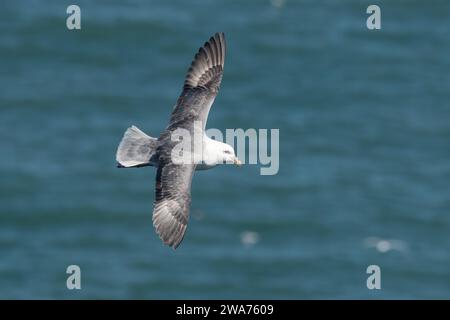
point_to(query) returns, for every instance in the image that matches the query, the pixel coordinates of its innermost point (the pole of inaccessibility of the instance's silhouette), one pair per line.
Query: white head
(222, 153)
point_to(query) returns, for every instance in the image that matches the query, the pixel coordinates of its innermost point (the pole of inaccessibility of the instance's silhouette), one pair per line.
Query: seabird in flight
(173, 178)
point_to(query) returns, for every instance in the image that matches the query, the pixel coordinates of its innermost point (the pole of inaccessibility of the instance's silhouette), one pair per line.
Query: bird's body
(173, 178)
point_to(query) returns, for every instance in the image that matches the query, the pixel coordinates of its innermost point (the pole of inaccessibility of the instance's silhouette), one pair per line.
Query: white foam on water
(249, 238)
(385, 245)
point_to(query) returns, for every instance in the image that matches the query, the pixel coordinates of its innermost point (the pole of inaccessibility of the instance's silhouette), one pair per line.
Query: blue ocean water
(364, 119)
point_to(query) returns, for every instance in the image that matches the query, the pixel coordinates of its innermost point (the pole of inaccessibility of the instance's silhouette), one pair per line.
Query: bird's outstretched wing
(173, 181)
(172, 201)
(201, 84)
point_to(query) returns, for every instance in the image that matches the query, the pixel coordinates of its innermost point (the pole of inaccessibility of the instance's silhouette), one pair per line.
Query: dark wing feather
(207, 68)
(173, 181)
(202, 82)
(172, 202)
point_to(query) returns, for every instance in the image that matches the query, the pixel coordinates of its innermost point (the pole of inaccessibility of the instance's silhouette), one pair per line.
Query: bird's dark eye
(227, 152)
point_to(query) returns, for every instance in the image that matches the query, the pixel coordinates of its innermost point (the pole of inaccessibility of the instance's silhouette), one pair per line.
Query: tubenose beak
(237, 162)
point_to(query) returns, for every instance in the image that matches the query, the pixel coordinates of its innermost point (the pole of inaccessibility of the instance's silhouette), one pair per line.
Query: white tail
(136, 148)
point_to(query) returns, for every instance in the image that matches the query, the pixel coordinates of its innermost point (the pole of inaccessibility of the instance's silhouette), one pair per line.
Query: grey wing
(202, 82)
(172, 202)
(173, 182)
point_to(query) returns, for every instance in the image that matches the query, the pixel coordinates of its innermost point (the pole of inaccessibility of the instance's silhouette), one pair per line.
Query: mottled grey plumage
(173, 181)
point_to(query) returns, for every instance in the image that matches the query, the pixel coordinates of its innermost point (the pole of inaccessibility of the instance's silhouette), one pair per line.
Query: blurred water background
(364, 119)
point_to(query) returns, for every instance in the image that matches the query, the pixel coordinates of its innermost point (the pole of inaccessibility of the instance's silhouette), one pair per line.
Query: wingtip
(171, 244)
(218, 35)
(208, 64)
(171, 238)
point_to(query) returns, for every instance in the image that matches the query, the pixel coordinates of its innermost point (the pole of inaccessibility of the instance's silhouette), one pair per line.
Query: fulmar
(173, 178)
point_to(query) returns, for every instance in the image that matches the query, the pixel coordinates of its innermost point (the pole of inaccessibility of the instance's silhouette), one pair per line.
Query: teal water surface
(364, 119)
